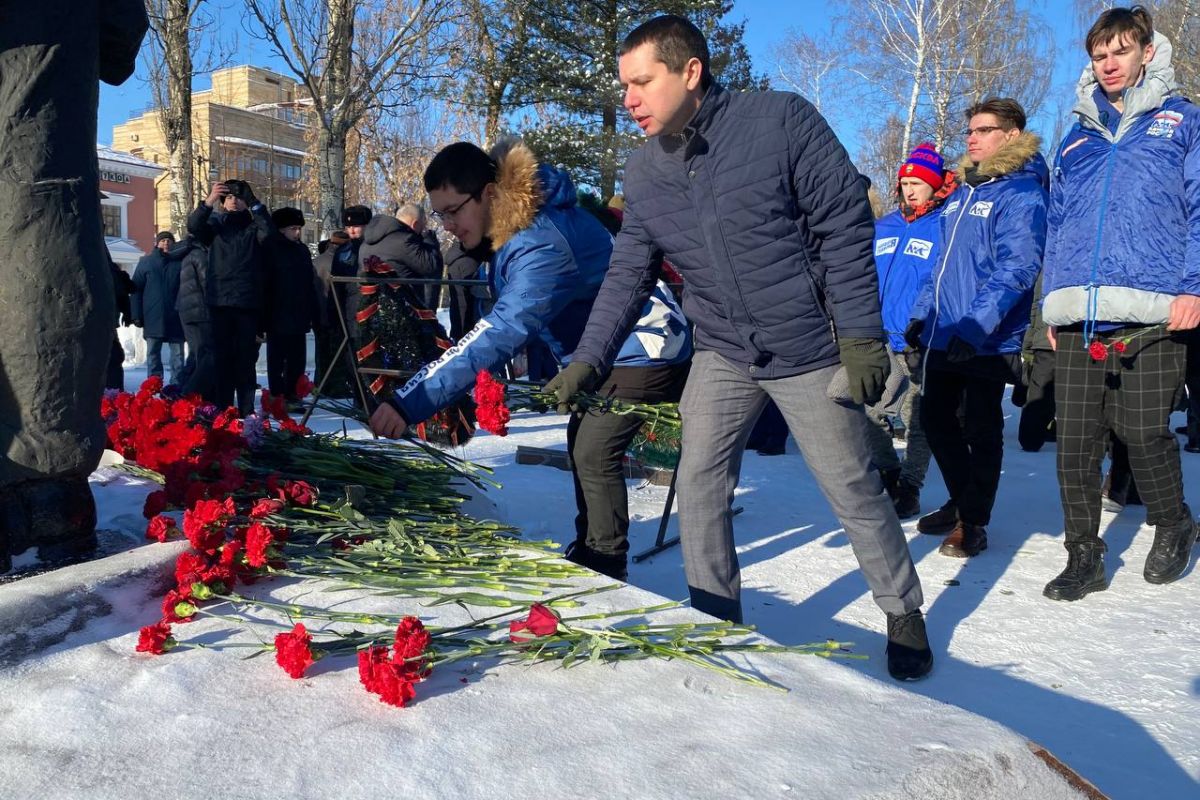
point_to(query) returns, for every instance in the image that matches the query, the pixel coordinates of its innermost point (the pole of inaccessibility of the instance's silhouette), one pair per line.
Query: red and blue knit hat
(924, 163)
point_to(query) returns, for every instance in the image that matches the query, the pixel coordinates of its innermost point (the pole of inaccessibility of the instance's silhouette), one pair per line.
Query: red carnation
(1098, 351)
(156, 503)
(292, 651)
(540, 622)
(393, 684)
(491, 413)
(189, 568)
(155, 639)
(265, 507)
(304, 387)
(291, 426)
(411, 641)
(1119, 345)
(152, 385)
(160, 528)
(300, 493)
(258, 538)
(176, 606)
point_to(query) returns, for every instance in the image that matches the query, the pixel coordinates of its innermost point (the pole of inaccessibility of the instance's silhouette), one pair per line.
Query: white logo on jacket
(919, 248)
(426, 372)
(1165, 123)
(982, 208)
(950, 208)
(885, 246)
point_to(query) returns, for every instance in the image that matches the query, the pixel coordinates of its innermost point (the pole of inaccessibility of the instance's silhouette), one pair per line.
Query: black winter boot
(891, 480)
(941, 521)
(613, 566)
(1083, 575)
(908, 653)
(907, 500)
(1171, 551)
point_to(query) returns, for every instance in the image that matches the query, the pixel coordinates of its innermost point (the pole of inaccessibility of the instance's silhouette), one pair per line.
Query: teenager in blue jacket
(546, 258)
(906, 248)
(973, 313)
(1123, 281)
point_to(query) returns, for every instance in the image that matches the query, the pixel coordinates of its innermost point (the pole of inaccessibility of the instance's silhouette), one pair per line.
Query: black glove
(912, 334)
(575, 378)
(913, 359)
(959, 351)
(867, 367)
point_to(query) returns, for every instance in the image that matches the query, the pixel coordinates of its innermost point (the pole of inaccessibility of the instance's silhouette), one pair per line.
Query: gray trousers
(905, 401)
(719, 406)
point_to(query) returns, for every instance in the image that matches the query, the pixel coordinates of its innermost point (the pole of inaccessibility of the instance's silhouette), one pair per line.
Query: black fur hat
(356, 215)
(287, 216)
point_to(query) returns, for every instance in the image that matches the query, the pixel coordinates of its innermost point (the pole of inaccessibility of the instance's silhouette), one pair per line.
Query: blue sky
(767, 23)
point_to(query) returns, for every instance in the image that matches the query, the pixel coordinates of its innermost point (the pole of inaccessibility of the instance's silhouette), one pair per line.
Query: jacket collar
(519, 193)
(1008, 159)
(714, 102)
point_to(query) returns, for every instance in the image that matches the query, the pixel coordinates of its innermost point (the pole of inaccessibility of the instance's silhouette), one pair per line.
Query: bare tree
(179, 31)
(497, 36)
(350, 67)
(807, 65)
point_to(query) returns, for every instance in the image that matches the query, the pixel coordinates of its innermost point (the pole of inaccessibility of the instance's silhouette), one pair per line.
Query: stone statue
(56, 295)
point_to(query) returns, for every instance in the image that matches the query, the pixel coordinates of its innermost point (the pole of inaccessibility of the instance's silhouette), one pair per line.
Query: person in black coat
(235, 227)
(197, 323)
(464, 308)
(122, 288)
(290, 304)
(156, 285)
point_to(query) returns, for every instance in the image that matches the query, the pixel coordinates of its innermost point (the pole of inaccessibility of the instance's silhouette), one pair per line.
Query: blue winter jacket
(993, 237)
(550, 258)
(760, 209)
(905, 253)
(156, 287)
(1124, 216)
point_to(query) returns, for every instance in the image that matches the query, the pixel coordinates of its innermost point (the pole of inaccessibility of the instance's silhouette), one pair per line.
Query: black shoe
(941, 521)
(908, 654)
(907, 500)
(613, 566)
(1083, 575)
(771, 449)
(1192, 446)
(1171, 551)
(965, 541)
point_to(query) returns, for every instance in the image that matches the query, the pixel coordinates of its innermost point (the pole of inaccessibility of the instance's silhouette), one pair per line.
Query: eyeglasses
(982, 130)
(448, 214)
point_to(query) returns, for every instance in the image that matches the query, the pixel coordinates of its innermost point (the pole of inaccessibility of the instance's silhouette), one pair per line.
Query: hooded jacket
(760, 209)
(905, 252)
(1124, 213)
(408, 253)
(549, 260)
(993, 230)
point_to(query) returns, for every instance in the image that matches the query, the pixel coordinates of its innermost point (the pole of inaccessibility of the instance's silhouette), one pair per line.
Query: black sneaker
(941, 521)
(907, 500)
(1171, 551)
(1083, 575)
(908, 653)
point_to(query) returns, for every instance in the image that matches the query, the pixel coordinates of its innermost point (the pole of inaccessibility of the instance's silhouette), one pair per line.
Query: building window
(111, 216)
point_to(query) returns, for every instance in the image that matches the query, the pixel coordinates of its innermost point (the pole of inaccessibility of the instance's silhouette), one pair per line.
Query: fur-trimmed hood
(523, 187)
(1011, 158)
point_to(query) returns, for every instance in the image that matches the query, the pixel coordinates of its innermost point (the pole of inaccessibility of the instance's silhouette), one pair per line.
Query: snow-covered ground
(1110, 685)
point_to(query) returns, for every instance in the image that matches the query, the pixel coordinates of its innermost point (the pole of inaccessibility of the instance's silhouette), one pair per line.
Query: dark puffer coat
(761, 211)
(236, 254)
(191, 304)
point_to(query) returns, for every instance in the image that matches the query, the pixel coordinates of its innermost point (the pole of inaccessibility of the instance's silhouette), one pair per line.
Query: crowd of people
(1076, 282)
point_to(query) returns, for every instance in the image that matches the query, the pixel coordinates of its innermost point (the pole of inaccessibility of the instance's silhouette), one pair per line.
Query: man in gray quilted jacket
(751, 196)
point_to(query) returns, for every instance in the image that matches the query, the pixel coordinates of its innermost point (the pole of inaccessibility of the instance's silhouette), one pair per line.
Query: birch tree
(353, 56)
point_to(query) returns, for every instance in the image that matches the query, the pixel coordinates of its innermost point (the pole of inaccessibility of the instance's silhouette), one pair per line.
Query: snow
(287, 151)
(1109, 685)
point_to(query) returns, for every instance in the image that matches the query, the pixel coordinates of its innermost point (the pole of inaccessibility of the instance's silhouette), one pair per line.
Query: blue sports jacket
(905, 253)
(993, 237)
(1124, 216)
(550, 259)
